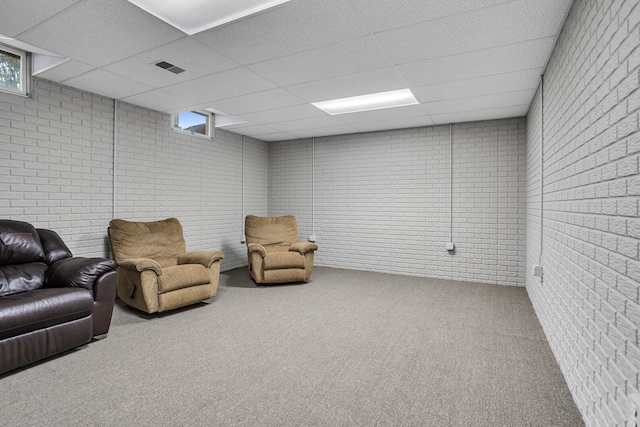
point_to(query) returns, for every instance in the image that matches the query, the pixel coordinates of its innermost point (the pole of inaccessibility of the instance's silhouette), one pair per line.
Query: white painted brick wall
(382, 199)
(589, 302)
(161, 173)
(56, 163)
(56, 171)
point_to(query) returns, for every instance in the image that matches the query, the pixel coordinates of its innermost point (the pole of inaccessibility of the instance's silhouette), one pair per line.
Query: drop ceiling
(464, 60)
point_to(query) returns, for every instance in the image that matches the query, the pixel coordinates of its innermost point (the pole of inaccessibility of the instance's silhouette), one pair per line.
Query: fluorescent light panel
(194, 16)
(373, 101)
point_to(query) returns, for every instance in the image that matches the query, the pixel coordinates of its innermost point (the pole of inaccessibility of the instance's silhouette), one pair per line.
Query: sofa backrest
(54, 247)
(20, 243)
(154, 240)
(273, 233)
(22, 258)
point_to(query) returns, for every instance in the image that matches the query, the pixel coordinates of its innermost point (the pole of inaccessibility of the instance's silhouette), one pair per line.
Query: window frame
(25, 71)
(210, 125)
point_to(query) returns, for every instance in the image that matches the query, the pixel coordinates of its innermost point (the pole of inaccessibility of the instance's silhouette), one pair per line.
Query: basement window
(193, 122)
(14, 71)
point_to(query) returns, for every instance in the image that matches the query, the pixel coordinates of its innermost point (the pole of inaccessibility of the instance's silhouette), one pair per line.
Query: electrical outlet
(538, 271)
(312, 238)
(634, 410)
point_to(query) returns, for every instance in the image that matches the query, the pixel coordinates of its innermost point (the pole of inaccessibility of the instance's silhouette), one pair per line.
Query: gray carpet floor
(348, 348)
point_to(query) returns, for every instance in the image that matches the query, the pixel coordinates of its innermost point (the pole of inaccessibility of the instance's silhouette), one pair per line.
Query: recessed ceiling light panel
(373, 101)
(194, 16)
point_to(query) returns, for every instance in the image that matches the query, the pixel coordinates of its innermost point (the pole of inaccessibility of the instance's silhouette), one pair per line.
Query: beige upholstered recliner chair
(274, 252)
(154, 271)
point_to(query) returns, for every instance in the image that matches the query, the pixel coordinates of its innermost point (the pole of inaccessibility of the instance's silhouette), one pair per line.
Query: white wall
(162, 173)
(382, 199)
(588, 302)
(57, 164)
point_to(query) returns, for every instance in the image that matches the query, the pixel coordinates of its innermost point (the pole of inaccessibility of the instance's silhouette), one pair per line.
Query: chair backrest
(154, 240)
(271, 232)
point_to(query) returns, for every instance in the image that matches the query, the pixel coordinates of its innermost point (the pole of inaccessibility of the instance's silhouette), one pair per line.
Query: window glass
(12, 71)
(192, 122)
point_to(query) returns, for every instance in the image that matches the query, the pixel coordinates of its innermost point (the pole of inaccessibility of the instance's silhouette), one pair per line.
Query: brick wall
(161, 173)
(382, 199)
(56, 163)
(57, 171)
(588, 301)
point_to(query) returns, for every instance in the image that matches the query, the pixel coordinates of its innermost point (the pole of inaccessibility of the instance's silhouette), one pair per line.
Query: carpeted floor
(348, 348)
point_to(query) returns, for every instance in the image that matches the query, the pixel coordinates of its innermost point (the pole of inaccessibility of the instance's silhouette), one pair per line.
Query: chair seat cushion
(281, 260)
(41, 308)
(183, 276)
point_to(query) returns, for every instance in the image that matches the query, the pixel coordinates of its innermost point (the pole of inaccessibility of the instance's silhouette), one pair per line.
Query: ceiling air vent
(169, 67)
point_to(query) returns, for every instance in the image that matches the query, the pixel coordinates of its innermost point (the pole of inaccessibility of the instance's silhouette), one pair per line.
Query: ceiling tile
(381, 15)
(371, 81)
(160, 100)
(504, 24)
(280, 136)
(298, 112)
(330, 61)
(292, 27)
(227, 84)
(259, 101)
(107, 84)
(407, 122)
(499, 60)
(325, 131)
(496, 83)
(238, 127)
(488, 114)
(20, 15)
(302, 124)
(65, 71)
(254, 130)
(463, 59)
(478, 103)
(99, 32)
(187, 53)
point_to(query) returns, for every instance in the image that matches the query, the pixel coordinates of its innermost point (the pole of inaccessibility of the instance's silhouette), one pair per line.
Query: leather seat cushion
(42, 308)
(280, 260)
(16, 278)
(183, 276)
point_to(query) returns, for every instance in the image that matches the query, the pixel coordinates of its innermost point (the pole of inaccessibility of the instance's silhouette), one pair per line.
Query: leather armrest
(205, 257)
(77, 272)
(303, 247)
(141, 264)
(104, 297)
(255, 247)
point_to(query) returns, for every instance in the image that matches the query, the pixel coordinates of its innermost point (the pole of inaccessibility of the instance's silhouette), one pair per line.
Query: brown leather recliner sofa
(50, 301)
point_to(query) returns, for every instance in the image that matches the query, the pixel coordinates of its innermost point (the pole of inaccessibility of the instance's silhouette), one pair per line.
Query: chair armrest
(256, 247)
(206, 257)
(77, 272)
(303, 247)
(141, 264)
